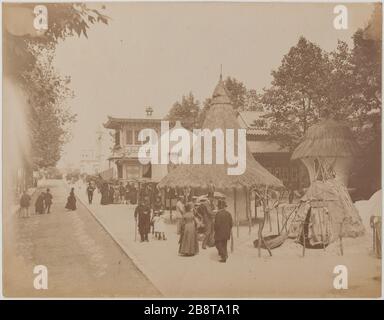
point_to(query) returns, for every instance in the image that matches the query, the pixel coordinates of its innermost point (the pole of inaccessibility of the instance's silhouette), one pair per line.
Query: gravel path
(82, 259)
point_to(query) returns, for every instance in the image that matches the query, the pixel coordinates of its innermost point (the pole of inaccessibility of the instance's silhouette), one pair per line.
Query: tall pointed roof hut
(221, 115)
(328, 151)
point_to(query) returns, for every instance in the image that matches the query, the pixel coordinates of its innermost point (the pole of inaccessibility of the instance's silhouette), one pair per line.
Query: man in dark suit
(90, 190)
(143, 218)
(223, 227)
(48, 201)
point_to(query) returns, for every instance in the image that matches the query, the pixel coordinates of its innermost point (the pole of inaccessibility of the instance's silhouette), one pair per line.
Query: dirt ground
(81, 258)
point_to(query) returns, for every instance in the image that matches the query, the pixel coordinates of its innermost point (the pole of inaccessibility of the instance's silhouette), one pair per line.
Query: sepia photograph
(179, 150)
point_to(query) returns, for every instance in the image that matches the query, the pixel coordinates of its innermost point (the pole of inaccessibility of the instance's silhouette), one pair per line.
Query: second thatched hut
(328, 151)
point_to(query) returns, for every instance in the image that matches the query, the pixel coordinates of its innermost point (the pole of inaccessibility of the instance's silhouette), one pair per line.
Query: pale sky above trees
(152, 54)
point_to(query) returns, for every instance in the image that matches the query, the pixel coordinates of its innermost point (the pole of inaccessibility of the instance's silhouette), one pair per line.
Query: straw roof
(220, 116)
(328, 138)
(337, 200)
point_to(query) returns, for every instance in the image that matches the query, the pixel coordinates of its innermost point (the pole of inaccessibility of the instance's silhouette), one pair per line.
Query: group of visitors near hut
(193, 218)
(42, 204)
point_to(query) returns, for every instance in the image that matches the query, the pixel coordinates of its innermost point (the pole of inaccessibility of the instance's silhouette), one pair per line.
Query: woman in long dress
(133, 195)
(39, 204)
(104, 194)
(71, 201)
(189, 245)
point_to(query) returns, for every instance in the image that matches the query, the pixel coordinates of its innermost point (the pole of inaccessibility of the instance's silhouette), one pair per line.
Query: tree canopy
(187, 111)
(311, 84)
(28, 60)
(344, 84)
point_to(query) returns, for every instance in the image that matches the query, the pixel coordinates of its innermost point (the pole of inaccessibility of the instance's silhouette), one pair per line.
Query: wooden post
(236, 214)
(278, 223)
(374, 237)
(259, 235)
(248, 209)
(255, 205)
(232, 243)
(170, 205)
(136, 226)
(303, 233)
(341, 239)
(268, 213)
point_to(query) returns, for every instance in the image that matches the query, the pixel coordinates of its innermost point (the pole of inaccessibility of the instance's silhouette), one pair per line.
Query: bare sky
(153, 53)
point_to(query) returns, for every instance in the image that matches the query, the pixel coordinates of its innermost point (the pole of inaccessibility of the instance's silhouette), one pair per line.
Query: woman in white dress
(159, 226)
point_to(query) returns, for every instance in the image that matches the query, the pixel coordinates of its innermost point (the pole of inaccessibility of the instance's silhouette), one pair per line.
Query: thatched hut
(328, 148)
(159, 171)
(333, 196)
(221, 115)
(328, 151)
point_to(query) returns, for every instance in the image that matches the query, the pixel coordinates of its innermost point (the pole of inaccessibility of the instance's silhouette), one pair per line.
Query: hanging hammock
(276, 240)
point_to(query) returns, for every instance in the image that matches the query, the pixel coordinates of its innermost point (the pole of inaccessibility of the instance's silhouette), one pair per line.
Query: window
(119, 171)
(128, 136)
(117, 137)
(137, 137)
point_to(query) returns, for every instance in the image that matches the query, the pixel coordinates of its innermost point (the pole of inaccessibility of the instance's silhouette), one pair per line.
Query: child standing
(159, 226)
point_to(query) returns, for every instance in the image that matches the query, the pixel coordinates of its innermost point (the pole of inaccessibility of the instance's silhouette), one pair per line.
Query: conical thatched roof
(220, 116)
(328, 138)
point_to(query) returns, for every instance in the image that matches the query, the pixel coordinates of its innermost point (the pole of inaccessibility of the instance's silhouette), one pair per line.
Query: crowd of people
(200, 217)
(196, 217)
(119, 193)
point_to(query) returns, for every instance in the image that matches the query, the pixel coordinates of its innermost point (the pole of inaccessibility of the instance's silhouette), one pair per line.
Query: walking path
(82, 259)
(286, 274)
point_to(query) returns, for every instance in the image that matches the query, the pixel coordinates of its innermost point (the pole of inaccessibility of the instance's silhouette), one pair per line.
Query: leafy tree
(345, 84)
(48, 116)
(64, 20)
(186, 111)
(295, 99)
(203, 112)
(28, 61)
(252, 101)
(237, 92)
(366, 100)
(339, 85)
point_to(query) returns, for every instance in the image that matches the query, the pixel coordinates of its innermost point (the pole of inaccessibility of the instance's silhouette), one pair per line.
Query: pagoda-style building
(124, 154)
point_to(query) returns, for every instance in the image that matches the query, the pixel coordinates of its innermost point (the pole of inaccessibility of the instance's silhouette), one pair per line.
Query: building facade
(93, 160)
(89, 163)
(124, 157)
(269, 153)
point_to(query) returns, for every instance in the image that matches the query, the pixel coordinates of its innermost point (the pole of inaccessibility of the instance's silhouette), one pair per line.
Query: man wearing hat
(223, 227)
(143, 218)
